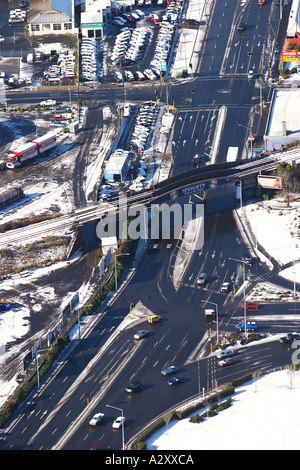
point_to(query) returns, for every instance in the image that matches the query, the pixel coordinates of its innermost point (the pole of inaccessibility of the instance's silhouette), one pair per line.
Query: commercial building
(51, 17)
(283, 126)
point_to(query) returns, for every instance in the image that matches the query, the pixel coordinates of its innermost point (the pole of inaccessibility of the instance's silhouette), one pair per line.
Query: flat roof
(285, 107)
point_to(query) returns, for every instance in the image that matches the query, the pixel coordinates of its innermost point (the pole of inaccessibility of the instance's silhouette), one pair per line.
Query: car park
(119, 422)
(170, 370)
(225, 353)
(96, 419)
(176, 380)
(140, 334)
(134, 387)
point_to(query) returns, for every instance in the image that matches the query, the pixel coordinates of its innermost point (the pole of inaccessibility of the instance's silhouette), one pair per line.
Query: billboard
(269, 182)
(289, 56)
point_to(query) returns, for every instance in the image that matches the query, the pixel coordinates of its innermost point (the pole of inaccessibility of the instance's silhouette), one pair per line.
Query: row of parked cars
(123, 18)
(88, 54)
(17, 17)
(144, 121)
(63, 70)
(130, 46)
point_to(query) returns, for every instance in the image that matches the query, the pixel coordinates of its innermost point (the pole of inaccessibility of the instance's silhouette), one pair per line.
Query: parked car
(118, 77)
(139, 75)
(191, 21)
(176, 380)
(241, 27)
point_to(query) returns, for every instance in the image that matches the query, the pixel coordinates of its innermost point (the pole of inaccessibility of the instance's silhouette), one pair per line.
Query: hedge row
(22, 392)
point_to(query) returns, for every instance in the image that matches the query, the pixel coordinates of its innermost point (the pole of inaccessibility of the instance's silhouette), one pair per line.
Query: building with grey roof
(51, 17)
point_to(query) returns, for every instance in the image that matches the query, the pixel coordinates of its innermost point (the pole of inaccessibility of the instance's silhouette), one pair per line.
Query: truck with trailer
(30, 150)
(21, 154)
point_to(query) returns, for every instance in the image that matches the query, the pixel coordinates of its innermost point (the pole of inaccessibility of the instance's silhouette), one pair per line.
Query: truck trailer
(30, 150)
(45, 142)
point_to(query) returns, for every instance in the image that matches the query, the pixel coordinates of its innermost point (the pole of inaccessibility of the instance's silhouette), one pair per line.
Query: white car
(119, 422)
(48, 103)
(149, 74)
(202, 278)
(225, 353)
(96, 419)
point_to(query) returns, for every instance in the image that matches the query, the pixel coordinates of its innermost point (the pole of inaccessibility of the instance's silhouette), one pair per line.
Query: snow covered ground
(265, 415)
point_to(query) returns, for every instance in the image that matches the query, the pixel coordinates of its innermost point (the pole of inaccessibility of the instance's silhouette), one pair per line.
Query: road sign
(289, 55)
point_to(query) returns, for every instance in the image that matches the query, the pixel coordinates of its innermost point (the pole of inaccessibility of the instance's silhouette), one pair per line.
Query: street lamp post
(249, 130)
(120, 409)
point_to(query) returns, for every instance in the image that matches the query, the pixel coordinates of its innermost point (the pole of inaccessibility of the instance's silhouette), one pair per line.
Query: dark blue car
(178, 379)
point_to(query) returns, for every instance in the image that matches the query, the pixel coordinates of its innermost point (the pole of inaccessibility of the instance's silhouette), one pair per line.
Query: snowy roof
(294, 19)
(285, 108)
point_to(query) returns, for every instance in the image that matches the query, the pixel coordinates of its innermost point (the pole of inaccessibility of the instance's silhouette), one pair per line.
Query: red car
(59, 117)
(251, 305)
(261, 2)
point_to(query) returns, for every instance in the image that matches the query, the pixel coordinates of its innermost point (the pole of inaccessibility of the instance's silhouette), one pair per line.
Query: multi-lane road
(108, 358)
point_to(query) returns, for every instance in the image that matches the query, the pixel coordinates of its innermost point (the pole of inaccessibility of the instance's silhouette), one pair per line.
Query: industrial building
(283, 126)
(116, 168)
